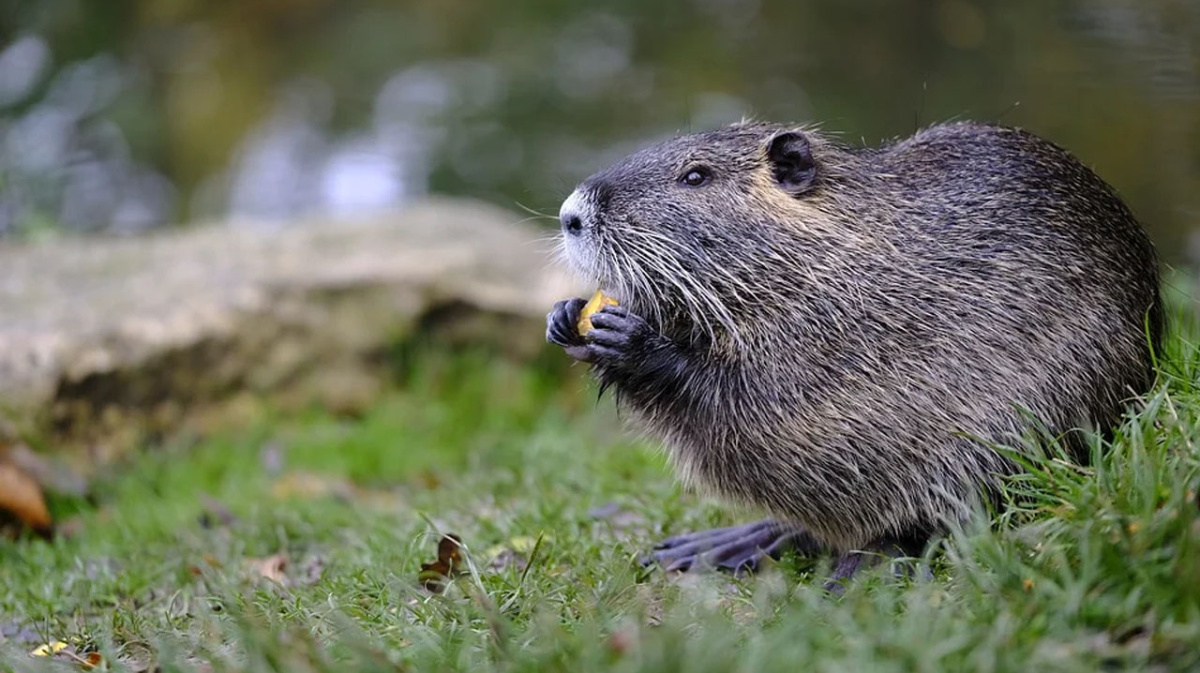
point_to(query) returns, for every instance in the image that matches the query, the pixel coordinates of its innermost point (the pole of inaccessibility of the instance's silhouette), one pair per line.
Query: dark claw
(615, 319)
(561, 323)
(615, 335)
(614, 310)
(612, 329)
(735, 549)
(846, 566)
(608, 337)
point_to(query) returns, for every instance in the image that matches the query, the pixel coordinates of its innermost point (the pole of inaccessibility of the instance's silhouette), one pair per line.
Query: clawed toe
(561, 323)
(900, 553)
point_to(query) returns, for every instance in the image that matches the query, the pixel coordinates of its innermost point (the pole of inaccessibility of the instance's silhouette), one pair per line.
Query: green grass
(1092, 569)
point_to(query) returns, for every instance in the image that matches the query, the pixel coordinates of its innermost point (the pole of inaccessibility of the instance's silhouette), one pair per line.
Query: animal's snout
(577, 212)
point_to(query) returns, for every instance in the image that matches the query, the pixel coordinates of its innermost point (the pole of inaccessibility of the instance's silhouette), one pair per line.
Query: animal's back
(993, 278)
(1043, 258)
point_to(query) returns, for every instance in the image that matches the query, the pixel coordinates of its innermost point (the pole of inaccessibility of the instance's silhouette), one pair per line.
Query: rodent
(835, 335)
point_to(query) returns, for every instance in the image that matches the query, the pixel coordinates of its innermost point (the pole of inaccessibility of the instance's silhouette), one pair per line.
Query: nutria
(841, 336)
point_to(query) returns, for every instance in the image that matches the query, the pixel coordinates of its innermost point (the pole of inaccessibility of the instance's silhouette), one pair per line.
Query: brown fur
(841, 347)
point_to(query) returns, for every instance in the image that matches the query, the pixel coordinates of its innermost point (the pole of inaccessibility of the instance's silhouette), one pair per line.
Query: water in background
(123, 115)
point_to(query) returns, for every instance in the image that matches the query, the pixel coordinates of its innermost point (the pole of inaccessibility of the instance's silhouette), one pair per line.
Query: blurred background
(119, 116)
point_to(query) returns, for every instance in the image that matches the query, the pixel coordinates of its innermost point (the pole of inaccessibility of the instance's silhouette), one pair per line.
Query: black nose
(571, 223)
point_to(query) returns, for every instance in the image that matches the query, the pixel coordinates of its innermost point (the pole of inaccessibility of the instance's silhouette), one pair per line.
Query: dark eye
(695, 177)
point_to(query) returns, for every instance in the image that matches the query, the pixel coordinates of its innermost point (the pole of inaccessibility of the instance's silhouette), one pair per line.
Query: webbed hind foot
(735, 549)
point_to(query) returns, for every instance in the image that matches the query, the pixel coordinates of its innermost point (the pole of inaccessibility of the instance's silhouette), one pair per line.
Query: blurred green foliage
(280, 108)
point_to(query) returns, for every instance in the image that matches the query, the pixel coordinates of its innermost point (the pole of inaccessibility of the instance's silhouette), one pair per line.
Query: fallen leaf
(60, 651)
(622, 641)
(429, 479)
(272, 567)
(21, 498)
(434, 575)
(215, 513)
(209, 561)
(89, 661)
(51, 474)
(50, 648)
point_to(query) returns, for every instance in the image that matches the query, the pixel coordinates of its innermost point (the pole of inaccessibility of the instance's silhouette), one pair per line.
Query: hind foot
(846, 566)
(735, 549)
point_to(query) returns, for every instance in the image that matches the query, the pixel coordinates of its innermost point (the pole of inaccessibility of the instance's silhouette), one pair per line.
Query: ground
(297, 546)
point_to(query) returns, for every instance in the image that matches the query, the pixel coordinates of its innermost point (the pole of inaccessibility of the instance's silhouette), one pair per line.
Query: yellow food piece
(597, 302)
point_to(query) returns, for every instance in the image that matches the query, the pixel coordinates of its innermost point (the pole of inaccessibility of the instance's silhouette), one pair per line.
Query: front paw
(617, 337)
(561, 324)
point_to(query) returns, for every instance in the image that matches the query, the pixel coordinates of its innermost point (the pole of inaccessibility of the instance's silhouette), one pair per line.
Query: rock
(105, 343)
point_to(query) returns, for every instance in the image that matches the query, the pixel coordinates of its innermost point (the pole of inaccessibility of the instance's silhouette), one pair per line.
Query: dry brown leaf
(273, 567)
(430, 480)
(623, 641)
(58, 650)
(89, 661)
(21, 498)
(209, 561)
(53, 475)
(449, 562)
(215, 513)
(278, 568)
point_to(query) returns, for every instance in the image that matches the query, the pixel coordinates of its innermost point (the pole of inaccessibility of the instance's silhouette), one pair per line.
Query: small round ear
(791, 162)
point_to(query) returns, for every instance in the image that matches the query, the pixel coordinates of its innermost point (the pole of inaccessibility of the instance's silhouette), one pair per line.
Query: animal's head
(687, 228)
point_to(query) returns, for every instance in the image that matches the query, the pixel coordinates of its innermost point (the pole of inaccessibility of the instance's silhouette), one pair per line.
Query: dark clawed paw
(561, 325)
(615, 333)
